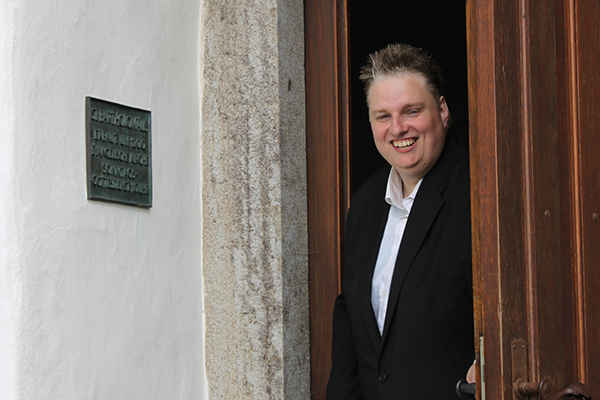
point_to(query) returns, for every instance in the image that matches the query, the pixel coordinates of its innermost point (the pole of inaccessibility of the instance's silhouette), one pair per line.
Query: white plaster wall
(98, 300)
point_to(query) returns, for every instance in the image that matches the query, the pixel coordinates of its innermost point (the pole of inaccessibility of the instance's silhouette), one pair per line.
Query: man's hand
(472, 374)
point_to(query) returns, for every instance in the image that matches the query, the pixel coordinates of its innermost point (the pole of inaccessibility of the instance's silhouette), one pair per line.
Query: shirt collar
(393, 193)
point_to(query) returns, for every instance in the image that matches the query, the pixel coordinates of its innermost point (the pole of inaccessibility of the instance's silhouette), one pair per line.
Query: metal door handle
(544, 388)
(524, 389)
(465, 390)
(574, 390)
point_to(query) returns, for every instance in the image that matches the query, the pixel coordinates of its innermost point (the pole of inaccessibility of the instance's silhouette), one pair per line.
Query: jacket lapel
(377, 218)
(427, 204)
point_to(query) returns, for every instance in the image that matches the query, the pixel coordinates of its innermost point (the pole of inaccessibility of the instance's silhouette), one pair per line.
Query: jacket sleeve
(343, 380)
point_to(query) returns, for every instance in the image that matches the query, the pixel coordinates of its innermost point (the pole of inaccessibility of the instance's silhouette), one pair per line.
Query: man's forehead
(398, 75)
(422, 81)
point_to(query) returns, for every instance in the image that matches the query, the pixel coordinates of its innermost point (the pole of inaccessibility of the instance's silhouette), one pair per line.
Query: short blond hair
(401, 59)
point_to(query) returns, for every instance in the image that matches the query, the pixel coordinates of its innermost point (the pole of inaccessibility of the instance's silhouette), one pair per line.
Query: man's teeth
(402, 144)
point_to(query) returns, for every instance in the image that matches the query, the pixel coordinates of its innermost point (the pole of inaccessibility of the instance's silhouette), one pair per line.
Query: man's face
(408, 126)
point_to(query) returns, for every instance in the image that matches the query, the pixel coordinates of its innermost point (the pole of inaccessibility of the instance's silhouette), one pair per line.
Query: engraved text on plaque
(119, 153)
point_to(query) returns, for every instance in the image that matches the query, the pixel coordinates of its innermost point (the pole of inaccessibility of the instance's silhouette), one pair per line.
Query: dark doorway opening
(437, 26)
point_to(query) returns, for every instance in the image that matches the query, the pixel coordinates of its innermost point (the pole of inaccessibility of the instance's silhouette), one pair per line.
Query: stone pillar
(254, 248)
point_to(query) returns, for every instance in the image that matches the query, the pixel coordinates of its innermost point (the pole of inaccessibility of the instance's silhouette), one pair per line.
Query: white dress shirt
(390, 244)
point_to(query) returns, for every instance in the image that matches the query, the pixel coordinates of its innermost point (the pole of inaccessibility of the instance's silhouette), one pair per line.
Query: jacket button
(382, 378)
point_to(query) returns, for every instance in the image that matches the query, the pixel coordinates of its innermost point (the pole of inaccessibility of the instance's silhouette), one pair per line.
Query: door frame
(517, 263)
(327, 102)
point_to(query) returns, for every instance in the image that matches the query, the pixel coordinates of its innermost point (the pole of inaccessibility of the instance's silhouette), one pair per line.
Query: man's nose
(399, 125)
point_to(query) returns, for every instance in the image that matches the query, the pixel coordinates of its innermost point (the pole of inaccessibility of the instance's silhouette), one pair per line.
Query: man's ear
(444, 111)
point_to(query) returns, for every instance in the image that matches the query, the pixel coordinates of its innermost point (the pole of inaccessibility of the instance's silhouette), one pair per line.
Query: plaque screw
(547, 214)
(595, 216)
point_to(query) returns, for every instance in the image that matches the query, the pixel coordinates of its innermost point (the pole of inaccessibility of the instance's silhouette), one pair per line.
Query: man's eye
(382, 117)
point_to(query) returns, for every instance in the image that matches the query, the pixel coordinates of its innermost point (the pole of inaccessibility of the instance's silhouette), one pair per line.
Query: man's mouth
(403, 143)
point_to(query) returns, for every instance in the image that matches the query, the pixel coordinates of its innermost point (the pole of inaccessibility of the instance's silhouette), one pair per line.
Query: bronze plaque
(119, 153)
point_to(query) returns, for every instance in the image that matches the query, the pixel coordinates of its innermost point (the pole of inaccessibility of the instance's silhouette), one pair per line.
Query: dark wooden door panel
(587, 53)
(535, 185)
(498, 185)
(550, 275)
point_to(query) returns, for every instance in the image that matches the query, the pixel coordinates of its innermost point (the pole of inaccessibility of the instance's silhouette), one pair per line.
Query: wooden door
(534, 94)
(534, 103)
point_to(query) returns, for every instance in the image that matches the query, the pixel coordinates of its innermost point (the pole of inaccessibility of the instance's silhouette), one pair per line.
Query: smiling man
(403, 324)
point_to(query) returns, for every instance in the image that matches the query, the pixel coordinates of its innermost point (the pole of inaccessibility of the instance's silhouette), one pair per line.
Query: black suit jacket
(427, 342)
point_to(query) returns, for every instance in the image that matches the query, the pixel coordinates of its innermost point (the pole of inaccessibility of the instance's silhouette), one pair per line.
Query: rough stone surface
(255, 261)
